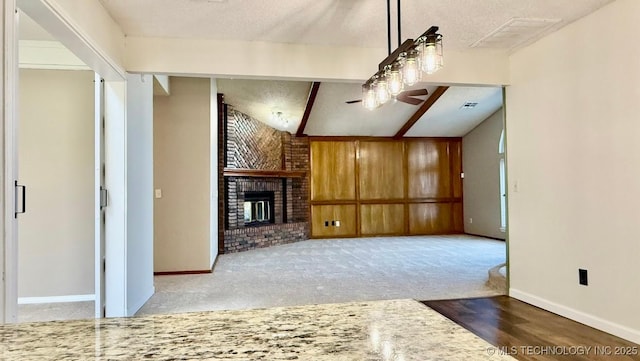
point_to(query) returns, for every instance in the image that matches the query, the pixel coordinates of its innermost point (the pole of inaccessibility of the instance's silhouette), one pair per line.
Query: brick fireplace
(260, 160)
(237, 188)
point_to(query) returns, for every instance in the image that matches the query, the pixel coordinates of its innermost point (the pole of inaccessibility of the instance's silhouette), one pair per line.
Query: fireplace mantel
(263, 173)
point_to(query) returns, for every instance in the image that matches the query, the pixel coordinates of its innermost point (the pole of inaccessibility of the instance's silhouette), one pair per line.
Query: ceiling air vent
(469, 105)
(516, 32)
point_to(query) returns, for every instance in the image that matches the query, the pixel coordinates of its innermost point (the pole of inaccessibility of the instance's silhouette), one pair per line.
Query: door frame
(51, 17)
(9, 74)
(101, 198)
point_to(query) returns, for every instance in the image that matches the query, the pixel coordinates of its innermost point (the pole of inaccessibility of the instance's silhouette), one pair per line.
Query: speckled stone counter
(398, 330)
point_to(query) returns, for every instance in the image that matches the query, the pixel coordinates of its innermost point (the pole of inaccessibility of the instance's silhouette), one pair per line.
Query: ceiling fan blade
(415, 92)
(409, 100)
(353, 101)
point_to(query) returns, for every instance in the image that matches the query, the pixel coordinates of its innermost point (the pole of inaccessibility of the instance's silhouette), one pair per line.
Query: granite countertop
(396, 330)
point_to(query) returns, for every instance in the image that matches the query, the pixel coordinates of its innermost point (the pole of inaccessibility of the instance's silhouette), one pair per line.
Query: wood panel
(381, 219)
(381, 173)
(381, 186)
(320, 215)
(324, 220)
(429, 171)
(516, 326)
(455, 150)
(430, 218)
(458, 217)
(346, 214)
(332, 171)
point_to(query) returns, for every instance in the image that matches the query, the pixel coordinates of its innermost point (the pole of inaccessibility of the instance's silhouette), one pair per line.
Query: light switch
(158, 193)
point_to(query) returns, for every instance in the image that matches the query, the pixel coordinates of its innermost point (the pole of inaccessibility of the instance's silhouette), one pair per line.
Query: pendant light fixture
(403, 66)
(394, 74)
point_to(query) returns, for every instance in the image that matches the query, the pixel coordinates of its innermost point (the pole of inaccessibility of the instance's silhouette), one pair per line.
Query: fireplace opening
(258, 208)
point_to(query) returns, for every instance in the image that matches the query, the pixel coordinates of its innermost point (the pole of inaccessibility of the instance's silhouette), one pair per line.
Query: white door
(13, 195)
(102, 200)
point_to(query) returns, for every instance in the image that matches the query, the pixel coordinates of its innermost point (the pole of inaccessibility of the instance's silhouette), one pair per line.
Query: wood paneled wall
(379, 186)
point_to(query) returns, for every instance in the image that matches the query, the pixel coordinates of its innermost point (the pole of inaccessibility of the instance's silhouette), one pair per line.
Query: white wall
(86, 29)
(38, 54)
(55, 155)
(481, 163)
(182, 151)
(116, 184)
(207, 57)
(573, 170)
(139, 145)
(96, 23)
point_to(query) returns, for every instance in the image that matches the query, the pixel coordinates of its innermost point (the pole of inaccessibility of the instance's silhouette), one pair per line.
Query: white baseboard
(55, 299)
(579, 316)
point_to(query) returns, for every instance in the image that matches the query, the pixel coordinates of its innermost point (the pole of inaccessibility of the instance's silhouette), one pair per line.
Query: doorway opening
(55, 161)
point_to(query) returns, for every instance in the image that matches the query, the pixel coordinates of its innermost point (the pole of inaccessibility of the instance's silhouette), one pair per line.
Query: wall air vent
(469, 105)
(516, 32)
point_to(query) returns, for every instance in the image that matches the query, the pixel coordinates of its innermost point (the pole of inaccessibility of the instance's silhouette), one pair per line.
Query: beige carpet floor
(317, 272)
(337, 270)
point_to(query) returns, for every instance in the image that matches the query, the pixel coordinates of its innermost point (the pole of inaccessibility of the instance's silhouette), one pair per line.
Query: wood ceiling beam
(307, 110)
(420, 112)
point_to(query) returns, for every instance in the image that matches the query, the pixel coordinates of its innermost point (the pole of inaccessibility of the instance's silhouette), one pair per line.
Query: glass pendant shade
(431, 52)
(394, 79)
(381, 88)
(411, 72)
(403, 67)
(369, 100)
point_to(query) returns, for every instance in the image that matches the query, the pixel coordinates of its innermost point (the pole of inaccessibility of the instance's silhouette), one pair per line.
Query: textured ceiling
(448, 118)
(262, 98)
(331, 116)
(334, 22)
(464, 23)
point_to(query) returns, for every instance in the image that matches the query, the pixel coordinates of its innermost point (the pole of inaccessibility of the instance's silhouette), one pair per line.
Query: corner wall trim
(579, 316)
(55, 299)
(215, 262)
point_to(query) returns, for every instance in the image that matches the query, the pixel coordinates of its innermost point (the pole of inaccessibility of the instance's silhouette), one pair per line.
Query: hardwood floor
(527, 332)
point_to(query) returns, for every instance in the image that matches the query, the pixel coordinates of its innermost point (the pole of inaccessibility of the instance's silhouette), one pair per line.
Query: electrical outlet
(337, 223)
(326, 223)
(470, 220)
(158, 193)
(582, 277)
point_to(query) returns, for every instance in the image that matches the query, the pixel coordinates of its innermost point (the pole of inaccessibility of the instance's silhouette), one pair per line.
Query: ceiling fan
(407, 96)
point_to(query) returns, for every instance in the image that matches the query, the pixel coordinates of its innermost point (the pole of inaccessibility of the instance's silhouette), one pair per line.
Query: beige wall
(481, 163)
(574, 170)
(182, 172)
(56, 157)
